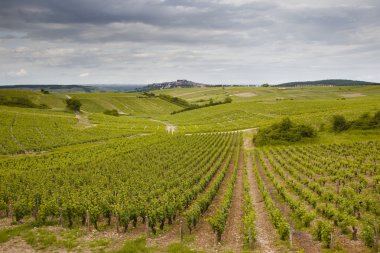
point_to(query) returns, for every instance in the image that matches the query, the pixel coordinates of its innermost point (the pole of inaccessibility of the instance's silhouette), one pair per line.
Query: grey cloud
(156, 36)
(75, 20)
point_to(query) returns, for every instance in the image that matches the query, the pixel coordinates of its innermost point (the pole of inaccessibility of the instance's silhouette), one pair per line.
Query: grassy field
(91, 182)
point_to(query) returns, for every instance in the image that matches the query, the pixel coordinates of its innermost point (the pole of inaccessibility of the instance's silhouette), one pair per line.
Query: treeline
(175, 100)
(185, 104)
(21, 102)
(364, 122)
(211, 103)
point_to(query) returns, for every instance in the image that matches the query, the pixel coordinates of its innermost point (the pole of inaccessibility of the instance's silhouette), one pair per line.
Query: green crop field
(127, 174)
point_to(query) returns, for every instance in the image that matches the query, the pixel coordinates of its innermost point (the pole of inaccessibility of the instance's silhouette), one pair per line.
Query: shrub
(227, 100)
(376, 117)
(284, 132)
(112, 112)
(339, 123)
(364, 122)
(149, 94)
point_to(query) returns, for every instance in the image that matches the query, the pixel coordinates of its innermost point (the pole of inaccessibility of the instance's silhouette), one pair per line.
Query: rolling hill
(327, 82)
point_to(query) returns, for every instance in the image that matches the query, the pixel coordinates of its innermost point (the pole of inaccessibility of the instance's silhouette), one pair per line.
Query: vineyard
(90, 182)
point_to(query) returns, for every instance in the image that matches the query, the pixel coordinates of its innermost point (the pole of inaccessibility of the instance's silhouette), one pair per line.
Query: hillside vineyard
(141, 179)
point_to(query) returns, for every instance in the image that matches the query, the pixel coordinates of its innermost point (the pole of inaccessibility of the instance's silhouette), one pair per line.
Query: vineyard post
(290, 237)
(147, 225)
(10, 214)
(35, 209)
(332, 238)
(250, 237)
(88, 221)
(60, 216)
(117, 223)
(375, 240)
(34, 212)
(181, 230)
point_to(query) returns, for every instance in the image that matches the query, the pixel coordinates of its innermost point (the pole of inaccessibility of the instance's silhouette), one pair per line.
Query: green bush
(364, 122)
(112, 112)
(284, 132)
(339, 123)
(227, 100)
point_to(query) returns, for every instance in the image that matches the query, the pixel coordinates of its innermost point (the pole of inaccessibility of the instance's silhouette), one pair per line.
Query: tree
(44, 91)
(265, 85)
(73, 104)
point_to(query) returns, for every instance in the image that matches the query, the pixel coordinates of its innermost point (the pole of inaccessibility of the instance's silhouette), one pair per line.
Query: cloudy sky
(210, 41)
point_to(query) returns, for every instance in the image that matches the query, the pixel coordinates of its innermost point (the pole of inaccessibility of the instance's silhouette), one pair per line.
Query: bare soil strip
(245, 94)
(169, 127)
(83, 121)
(352, 95)
(266, 235)
(172, 235)
(16, 245)
(233, 237)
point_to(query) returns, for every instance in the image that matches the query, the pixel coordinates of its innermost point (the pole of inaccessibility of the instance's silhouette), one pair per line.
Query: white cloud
(85, 74)
(21, 72)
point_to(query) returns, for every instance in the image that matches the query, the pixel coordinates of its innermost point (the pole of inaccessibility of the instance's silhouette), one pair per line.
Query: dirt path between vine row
(266, 235)
(16, 244)
(204, 237)
(83, 121)
(301, 239)
(245, 130)
(169, 128)
(233, 236)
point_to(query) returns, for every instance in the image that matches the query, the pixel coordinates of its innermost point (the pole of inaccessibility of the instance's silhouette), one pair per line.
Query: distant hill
(119, 87)
(73, 88)
(53, 87)
(333, 82)
(171, 85)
